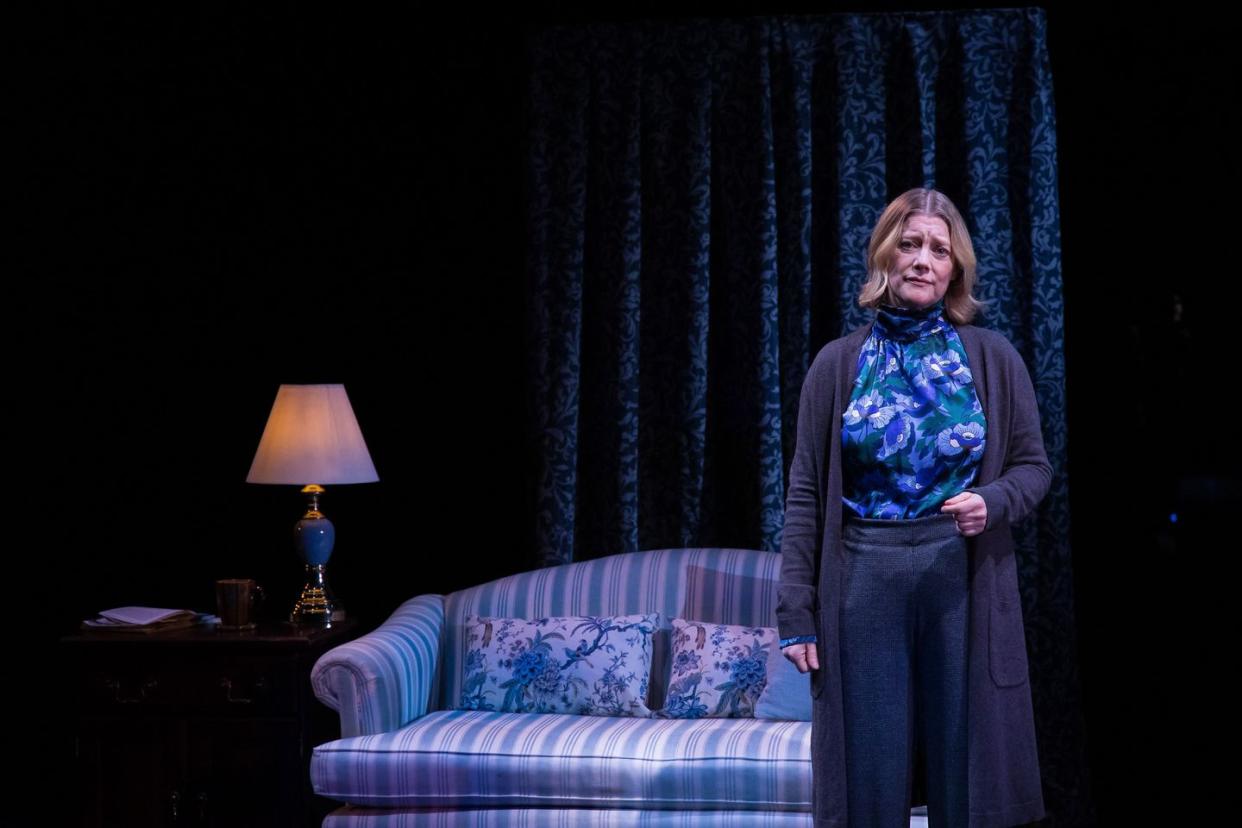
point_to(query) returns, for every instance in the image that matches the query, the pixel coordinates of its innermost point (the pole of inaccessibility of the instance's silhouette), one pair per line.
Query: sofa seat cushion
(492, 759)
(347, 816)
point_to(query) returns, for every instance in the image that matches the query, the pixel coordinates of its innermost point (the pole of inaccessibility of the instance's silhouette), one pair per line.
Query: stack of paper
(143, 619)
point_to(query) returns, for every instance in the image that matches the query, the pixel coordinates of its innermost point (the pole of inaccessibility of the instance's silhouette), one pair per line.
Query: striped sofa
(407, 759)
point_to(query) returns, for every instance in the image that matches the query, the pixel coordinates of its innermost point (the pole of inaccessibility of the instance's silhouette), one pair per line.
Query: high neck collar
(908, 324)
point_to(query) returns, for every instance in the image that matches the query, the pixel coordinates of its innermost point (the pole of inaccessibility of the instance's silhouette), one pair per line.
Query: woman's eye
(908, 245)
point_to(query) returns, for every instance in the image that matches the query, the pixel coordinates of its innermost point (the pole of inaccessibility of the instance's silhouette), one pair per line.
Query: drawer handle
(260, 686)
(115, 686)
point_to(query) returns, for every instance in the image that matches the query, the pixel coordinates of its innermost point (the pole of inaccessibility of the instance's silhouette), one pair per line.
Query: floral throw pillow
(589, 665)
(717, 671)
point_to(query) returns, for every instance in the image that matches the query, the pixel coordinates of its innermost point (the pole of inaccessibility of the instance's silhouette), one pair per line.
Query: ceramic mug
(237, 603)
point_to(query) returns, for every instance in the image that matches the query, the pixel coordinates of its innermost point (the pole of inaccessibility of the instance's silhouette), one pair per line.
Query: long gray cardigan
(1014, 475)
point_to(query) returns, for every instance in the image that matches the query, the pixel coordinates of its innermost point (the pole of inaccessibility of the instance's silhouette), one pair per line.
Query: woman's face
(924, 263)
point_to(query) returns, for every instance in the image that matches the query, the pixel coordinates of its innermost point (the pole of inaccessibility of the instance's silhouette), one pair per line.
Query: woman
(918, 445)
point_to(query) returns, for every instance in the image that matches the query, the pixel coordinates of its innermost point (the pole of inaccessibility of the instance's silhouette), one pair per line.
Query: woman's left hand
(969, 510)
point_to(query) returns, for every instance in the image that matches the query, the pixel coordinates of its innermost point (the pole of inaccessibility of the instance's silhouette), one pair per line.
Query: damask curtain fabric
(699, 200)
(700, 196)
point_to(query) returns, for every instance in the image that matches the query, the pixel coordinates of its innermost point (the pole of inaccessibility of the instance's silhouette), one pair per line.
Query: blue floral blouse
(913, 433)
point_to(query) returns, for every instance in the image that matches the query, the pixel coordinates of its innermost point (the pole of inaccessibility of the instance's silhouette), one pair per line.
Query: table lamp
(311, 439)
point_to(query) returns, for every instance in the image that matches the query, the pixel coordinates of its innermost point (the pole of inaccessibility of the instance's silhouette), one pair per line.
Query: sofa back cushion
(592, 665)
(722, 585)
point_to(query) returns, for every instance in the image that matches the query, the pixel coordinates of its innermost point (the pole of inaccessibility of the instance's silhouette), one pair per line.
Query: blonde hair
(960, 306)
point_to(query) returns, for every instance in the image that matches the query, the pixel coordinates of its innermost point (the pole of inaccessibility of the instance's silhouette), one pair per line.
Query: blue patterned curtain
(699, 199)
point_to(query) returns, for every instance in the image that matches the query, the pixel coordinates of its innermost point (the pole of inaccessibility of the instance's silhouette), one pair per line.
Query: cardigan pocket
(1007, 645)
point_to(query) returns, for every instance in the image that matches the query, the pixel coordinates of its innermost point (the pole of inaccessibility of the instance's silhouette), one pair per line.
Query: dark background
(219, 201)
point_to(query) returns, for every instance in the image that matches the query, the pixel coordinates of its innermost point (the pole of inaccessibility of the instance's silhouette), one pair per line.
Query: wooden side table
(198, 727)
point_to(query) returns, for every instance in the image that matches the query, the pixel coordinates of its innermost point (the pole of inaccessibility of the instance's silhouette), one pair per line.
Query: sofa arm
(384, 679)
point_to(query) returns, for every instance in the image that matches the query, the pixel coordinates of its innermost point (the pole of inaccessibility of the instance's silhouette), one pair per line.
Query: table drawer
(219, 685)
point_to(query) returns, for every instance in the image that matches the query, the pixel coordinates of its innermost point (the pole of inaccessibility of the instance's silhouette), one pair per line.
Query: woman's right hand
(804, 656)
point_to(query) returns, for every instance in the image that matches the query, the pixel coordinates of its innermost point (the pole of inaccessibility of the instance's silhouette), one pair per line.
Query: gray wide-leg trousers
(903, 668)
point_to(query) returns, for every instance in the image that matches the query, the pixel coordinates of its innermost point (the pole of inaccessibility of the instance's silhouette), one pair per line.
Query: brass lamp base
(317, 606)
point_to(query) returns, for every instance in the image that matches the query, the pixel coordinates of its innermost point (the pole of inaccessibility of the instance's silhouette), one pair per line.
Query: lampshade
(312, 436)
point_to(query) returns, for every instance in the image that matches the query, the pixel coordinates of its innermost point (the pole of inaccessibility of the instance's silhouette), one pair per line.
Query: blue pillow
(787, 694)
